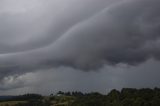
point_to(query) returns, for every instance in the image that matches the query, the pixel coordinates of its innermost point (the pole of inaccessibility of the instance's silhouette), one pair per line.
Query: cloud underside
(84, 38)
(68, 79)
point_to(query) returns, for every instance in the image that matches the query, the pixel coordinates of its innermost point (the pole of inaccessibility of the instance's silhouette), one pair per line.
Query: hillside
(125, 97)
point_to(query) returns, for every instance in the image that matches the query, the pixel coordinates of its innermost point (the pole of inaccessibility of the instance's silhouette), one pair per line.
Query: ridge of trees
(124, 97)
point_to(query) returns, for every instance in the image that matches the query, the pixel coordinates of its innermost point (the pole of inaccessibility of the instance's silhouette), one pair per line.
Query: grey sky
(106, 41)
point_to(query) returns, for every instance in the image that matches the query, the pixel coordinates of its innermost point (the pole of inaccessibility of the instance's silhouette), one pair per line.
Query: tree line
(124, 97)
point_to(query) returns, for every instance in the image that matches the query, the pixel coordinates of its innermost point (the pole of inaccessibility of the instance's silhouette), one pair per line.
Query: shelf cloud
(85, 35)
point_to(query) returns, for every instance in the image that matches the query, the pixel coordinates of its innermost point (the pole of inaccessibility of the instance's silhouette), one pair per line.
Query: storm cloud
(85, 35)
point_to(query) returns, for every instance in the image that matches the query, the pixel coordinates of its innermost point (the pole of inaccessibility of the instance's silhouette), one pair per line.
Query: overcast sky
(84, 45)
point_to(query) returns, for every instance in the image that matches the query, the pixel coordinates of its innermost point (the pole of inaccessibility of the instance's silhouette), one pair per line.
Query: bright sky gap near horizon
(78, 45)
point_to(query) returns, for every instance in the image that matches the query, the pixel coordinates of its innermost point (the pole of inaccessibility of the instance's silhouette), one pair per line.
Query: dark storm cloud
(124, 32)
(25, 31)
(67, 79)
(26, 28)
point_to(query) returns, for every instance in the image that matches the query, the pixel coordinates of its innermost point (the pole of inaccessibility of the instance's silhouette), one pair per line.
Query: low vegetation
(125, 97)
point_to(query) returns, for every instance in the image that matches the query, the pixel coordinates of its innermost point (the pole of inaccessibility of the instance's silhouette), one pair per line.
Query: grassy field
(10, 103)
(54, 101)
